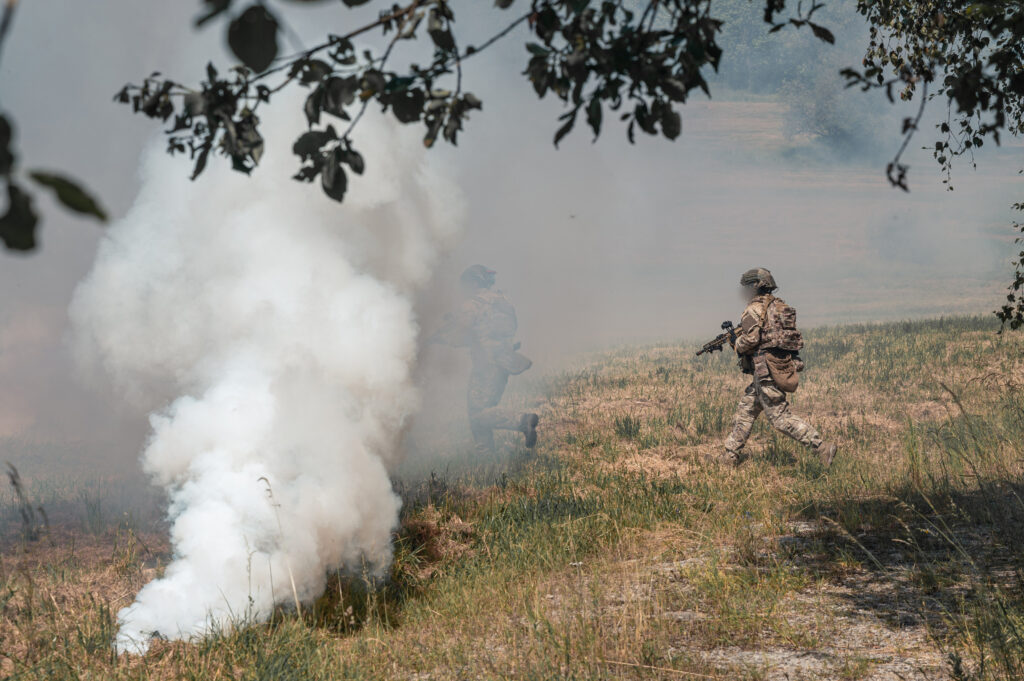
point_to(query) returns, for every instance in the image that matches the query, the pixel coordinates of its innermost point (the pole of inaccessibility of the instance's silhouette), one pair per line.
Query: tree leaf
(71, 194)
(333, 178)
(339, 93)
(312, 70)
(314, 105)
(6, 155)
(407, 105)
(200, 165)
(309, 143)
(354, 160)
(594, 114)
(18, 225)
(822, 33)
(439, 33)
(252, 36)
(564, 130)
(194, 104)
(671, 123)
(675, 89)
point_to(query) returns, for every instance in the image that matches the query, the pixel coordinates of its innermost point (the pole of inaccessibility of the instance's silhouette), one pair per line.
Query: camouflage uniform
(762, 395)
(486, 324)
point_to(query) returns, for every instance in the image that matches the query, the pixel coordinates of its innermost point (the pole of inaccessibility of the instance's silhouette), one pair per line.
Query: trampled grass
(618, 551)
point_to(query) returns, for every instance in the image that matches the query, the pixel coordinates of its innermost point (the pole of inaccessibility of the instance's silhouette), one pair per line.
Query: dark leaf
(242, 142)
(644, 119)
(312, 70)
(6, 155)
(439, 33)
(252, 36)
(564, 130)
(339, 93)
(354, 160)
(594, 114)
(503, 4)
(18, 225)
(314, 105)
(158, 104)
(354, 3)
(194, 104)
(547, 24)
(307, 173)
(204, 154)
(344, 51)
(308, 145)
(822, 33)
(407, 105)
(433, 126)
(675, 89)
(333, 178)
(373, 82)
(671, 123)
(70, 193)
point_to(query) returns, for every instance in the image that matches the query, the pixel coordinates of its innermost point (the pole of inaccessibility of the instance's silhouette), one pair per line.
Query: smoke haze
(253, 315)
(283, 330)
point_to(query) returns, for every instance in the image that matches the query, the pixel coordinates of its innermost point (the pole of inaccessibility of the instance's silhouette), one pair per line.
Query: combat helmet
(478, 276)
(758, 278)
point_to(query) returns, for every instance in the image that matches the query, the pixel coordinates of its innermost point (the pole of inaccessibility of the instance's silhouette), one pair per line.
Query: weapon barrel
(713, 345)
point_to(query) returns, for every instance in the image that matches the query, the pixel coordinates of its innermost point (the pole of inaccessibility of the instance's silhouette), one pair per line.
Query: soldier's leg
(493, 416)
(747, 411)
(776, 409)
(486, 386)
(497, 418)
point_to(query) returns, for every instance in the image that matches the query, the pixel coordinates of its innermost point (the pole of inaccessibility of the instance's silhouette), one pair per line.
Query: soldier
(767, 345)
(486, 324)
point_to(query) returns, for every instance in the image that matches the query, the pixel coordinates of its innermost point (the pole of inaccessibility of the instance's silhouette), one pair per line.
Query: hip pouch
(511, 361)
(783, 371)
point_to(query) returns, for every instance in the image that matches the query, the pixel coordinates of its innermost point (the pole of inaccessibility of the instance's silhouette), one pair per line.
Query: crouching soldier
(768, 346)
(486, 324)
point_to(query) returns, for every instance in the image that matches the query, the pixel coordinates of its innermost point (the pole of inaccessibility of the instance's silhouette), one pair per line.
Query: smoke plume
(271, 334)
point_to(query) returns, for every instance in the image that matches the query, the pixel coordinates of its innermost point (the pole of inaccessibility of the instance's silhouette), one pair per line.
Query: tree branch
(5, 21)
(288, 61)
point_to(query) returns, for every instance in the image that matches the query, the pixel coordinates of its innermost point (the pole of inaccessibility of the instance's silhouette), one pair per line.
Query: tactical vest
(778, 329)
(497, 318)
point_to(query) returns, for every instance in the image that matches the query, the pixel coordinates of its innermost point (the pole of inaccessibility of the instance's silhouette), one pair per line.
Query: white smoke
(270, 331)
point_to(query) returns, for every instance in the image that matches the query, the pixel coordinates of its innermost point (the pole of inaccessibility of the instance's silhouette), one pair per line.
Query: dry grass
(618, 552)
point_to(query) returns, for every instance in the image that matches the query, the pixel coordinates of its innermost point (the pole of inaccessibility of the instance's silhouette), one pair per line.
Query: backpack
(779, 330)
(496, 318)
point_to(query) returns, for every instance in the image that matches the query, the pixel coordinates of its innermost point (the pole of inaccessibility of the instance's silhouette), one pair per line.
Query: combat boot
(826, 451)
(528, 426)
(734, 459)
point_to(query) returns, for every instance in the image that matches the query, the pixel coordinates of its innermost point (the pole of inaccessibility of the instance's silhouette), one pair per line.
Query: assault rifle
(720, 340)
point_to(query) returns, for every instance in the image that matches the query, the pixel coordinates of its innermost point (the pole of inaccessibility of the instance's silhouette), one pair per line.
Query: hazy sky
(595, 243)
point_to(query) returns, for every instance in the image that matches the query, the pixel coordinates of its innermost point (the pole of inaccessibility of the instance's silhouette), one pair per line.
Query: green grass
(618, 552)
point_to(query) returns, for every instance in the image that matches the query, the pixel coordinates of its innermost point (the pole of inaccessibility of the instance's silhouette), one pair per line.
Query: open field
(617, 551)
